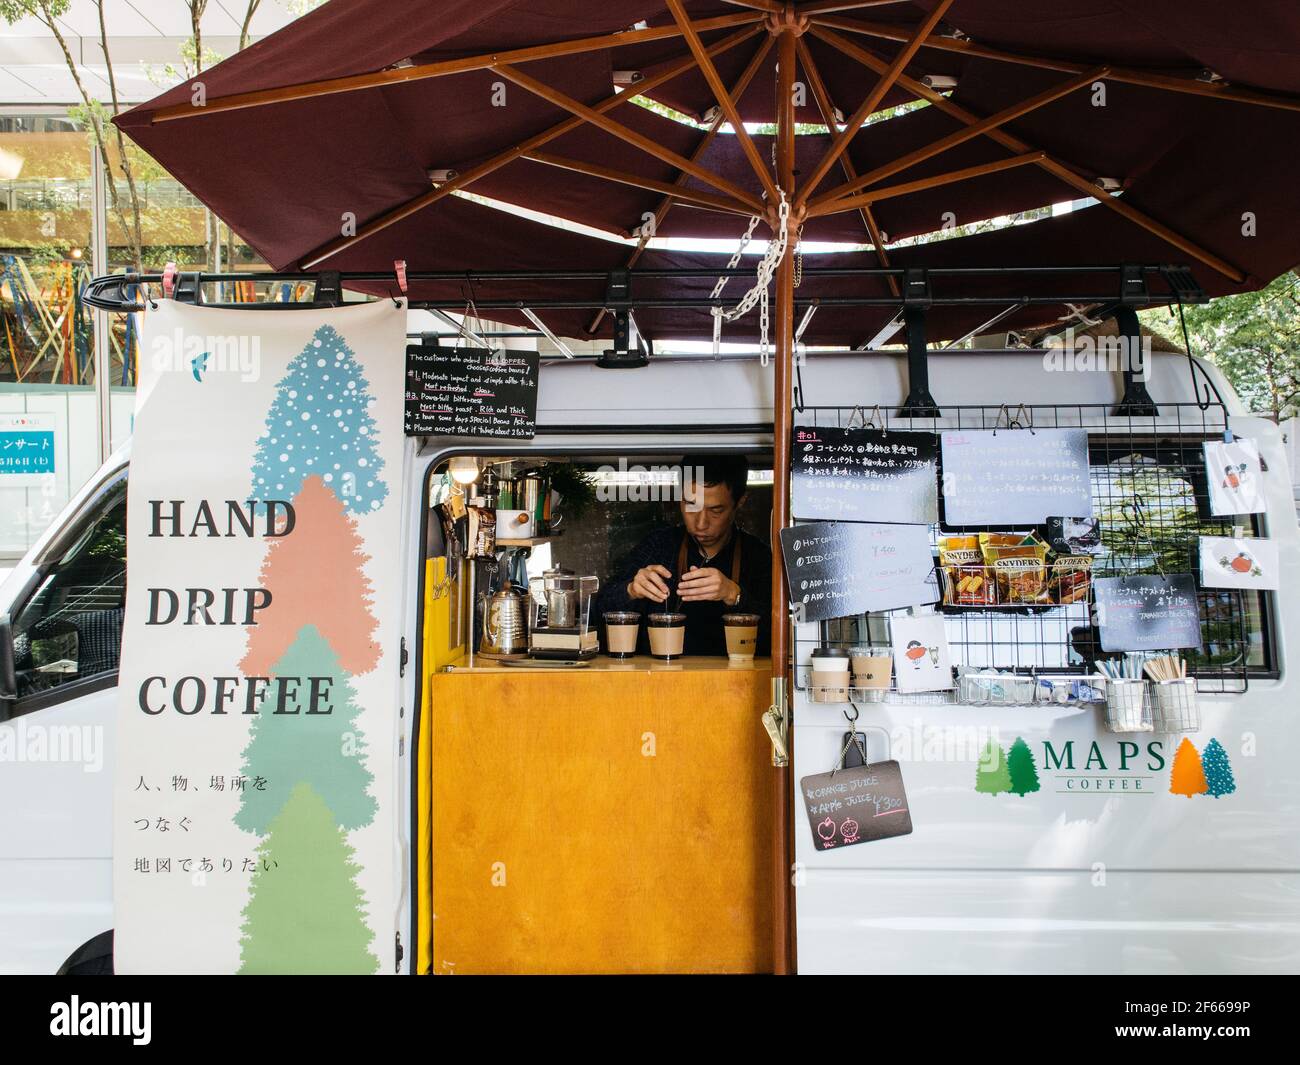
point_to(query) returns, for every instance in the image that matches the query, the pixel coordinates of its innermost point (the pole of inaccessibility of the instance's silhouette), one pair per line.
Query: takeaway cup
(667, 635)
(830, 675)
(742, 636)
(872, 668)
(621, 630)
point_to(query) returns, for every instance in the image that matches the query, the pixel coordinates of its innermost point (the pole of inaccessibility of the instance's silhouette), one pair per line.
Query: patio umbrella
(371, 131)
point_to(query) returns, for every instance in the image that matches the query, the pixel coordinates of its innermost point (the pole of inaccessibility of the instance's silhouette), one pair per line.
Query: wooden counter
(609, 819)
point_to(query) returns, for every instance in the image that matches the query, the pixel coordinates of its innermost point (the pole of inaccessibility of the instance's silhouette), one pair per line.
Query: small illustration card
(922, 662)
(1232, 562)
(1233, 471)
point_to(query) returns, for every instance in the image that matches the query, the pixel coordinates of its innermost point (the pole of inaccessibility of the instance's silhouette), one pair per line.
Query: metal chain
(759, 292)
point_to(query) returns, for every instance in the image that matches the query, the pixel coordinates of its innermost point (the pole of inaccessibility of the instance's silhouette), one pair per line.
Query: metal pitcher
(505, 623)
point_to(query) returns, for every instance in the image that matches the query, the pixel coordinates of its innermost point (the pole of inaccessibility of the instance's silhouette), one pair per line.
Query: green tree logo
(1217, 769)
(325, 750)
(305, 911)
(1024, 773)
(992, 777)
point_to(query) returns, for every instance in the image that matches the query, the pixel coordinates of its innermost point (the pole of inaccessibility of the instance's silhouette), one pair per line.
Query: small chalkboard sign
(838, 569)
(1148, 613)
(1015, 476)
(471, 392)
(864, 475)
(856, 805)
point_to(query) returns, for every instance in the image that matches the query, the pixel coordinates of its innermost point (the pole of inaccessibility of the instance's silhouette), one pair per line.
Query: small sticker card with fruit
(1239, 562)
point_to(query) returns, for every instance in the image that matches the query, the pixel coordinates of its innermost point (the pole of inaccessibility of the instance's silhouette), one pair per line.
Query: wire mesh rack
(1150, 495)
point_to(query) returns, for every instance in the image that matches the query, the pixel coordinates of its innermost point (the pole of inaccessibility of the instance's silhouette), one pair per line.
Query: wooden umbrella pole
(787, 29)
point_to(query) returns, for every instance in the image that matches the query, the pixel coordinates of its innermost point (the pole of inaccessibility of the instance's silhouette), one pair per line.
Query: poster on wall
(254, 805)
(27, 447)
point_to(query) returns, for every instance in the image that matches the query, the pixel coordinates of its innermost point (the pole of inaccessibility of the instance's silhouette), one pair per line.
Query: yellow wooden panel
(601, 822)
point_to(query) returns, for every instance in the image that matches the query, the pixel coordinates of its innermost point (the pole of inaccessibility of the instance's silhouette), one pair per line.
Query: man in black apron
(704, 568)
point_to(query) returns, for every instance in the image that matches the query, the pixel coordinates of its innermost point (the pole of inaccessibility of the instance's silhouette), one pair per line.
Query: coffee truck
(619, 816)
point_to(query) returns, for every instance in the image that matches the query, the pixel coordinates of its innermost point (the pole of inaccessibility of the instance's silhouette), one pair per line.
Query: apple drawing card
(1239, 562)
(1235, 479)
(922, 662)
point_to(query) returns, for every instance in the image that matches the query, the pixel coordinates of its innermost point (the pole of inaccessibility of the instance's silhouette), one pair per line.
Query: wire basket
(1128, 705)
(1174, 705)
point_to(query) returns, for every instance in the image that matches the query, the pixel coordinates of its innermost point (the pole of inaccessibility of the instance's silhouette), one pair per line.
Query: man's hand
(650, 583)
(702, 584)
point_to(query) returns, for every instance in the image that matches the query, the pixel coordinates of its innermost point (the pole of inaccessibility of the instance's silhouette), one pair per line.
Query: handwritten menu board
(1015, 476)
(856, 805)
(1147, 613)
(837, 569)
(864, 475)
(471, 392)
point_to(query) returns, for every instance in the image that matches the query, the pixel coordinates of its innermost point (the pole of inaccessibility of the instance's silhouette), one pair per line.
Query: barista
(704, 568)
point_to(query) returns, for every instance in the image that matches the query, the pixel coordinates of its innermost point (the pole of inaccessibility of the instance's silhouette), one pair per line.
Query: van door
(56, 746)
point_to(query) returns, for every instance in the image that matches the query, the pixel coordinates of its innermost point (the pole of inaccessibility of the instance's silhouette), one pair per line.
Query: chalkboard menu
(471, 392)
(838, 569)
(864, 475)
(1148, 613)
(856, 805)
(1015, 476)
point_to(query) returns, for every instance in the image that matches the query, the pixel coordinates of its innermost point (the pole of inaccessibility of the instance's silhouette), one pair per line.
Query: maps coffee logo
(1072, 767)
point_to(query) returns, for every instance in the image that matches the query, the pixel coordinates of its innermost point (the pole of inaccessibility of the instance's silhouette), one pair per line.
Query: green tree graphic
(1024, 773)
(1218, 770)
(324, 750)
(992, 777)
(305, 912)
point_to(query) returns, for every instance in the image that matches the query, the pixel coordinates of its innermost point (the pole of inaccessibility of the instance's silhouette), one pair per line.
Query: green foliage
(305, 912)
(1254, 338)
(577, 490)
(46, 10)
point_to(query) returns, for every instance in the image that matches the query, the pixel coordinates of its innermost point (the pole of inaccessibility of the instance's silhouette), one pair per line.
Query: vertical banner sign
(256, 789)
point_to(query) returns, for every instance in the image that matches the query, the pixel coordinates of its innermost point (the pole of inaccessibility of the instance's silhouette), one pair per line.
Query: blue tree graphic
(1218, 770)
(319, 425)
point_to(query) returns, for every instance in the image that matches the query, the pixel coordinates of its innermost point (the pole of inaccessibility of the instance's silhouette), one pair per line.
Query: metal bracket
(1182, 281)
(917, 299)
(329, 289)
(188, 289)
(1133, 293)
(630, 351)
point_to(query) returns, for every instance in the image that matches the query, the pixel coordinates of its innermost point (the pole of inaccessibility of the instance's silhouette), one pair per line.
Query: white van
(1098, 868)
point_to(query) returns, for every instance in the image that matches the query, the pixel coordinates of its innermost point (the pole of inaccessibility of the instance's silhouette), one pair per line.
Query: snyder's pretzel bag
(1071, 577)
(965, 580)
(1019, 571)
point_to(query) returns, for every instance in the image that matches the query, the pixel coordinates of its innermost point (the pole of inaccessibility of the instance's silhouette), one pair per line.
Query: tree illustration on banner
(1187, 777)
(992, 777)
(316, 578)
(295, 746)
(1024, 772)
(305, 912)
(1217, 769)
(319, 423)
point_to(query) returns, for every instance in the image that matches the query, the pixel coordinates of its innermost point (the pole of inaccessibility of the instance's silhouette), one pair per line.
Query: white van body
(1046, 883)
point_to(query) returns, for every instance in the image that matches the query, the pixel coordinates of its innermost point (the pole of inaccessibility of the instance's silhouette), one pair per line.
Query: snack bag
(1019, 570)
(965, 580)
(1071, 579)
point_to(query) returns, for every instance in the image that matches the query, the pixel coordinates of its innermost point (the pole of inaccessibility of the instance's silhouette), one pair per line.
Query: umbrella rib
(665, 205)
(723, 97)
(622, 177)
(960, 136)
(442, 68)
(820, 7)
(886, 81)
(1127, 75)
(1049, 163)
(827, 109)
(630, 136)
(488, 166)
(922, 184)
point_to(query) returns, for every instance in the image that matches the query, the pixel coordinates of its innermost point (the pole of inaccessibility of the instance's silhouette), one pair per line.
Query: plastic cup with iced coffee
(621, 630)
(872, 669)
(742, 636)
(667, 634)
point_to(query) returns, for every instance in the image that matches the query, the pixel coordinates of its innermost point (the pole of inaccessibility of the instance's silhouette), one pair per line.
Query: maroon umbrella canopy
(357, 136)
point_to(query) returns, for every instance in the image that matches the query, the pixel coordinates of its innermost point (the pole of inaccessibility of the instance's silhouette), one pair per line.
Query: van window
(71, 628)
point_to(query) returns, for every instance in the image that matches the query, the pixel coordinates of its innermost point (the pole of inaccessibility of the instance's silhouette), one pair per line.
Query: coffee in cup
(667, 634)
(742, 636)
(621, 630)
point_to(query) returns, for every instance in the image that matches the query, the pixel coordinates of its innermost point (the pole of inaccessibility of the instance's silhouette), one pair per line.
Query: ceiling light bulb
(463, 469)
